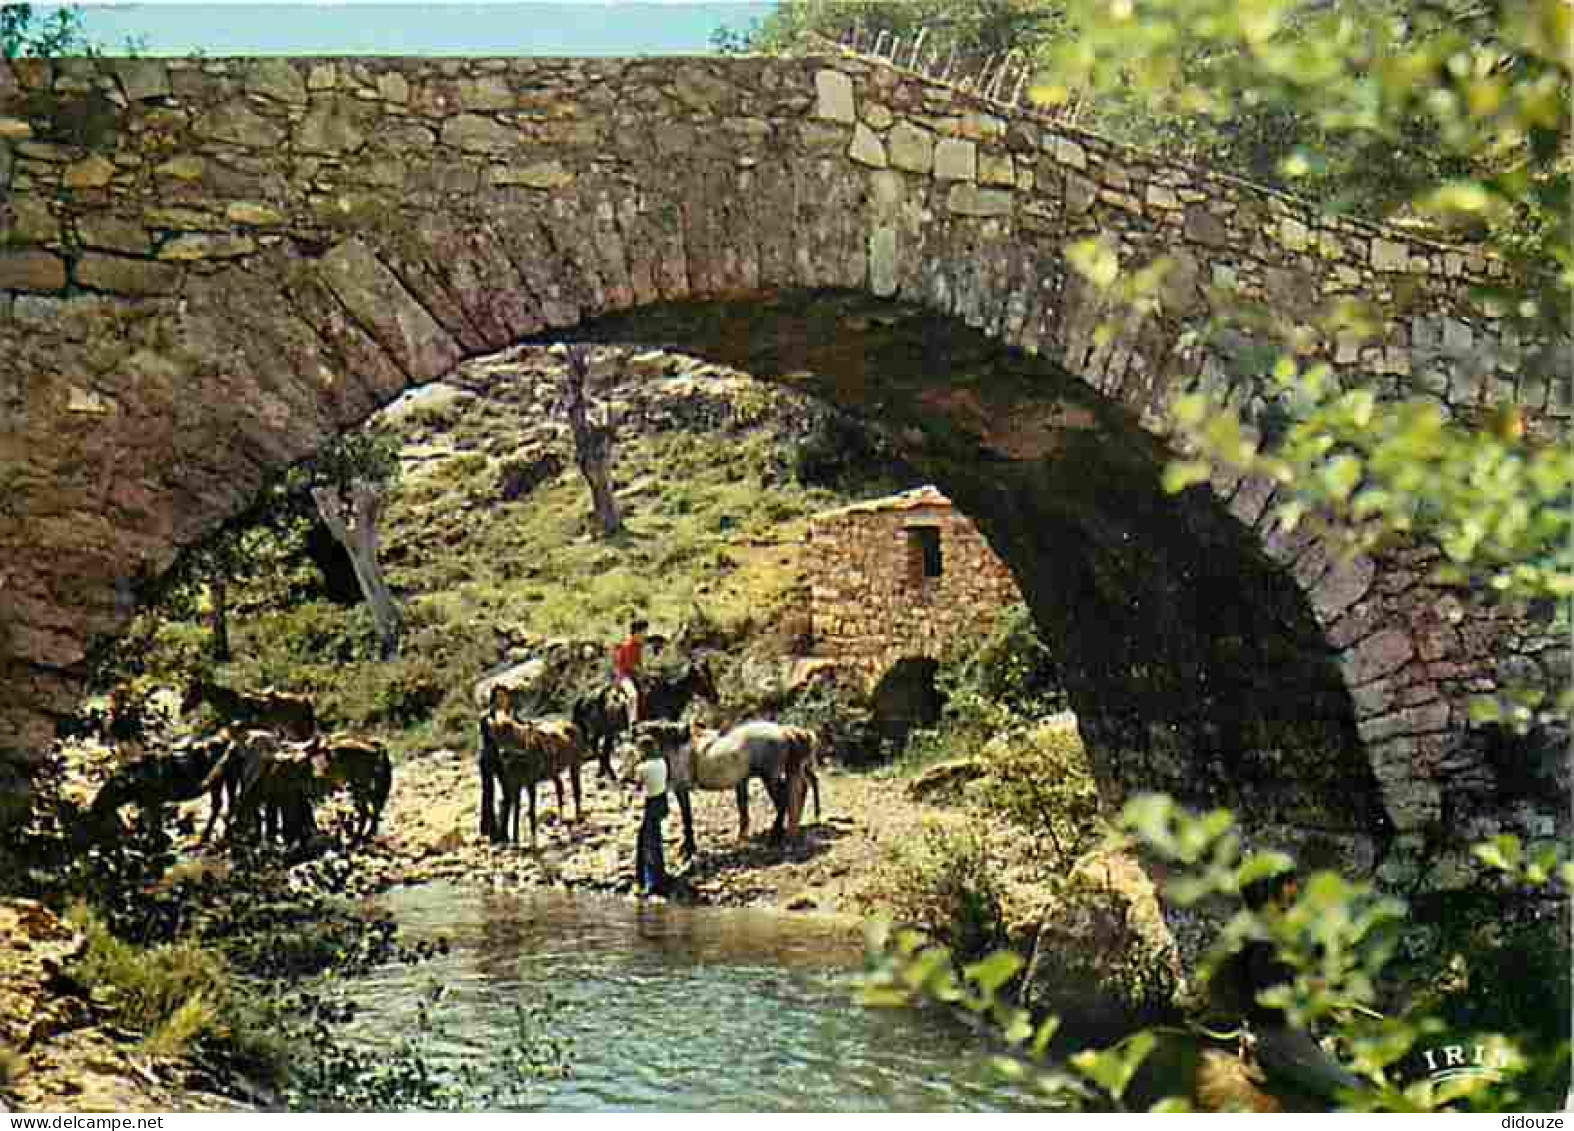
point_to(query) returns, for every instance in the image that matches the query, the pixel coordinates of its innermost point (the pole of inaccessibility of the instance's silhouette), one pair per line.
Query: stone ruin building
(893, 582)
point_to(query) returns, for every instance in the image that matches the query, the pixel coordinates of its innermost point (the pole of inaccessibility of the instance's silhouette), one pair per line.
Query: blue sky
(378, 27)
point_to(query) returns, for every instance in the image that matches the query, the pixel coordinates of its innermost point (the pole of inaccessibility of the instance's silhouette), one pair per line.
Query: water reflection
(674, 1008)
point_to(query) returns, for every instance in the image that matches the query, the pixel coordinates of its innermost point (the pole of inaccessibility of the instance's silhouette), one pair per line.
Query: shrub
(1041, 781)
(174, 994)
(995, 684)
(946, 884)
(839, 716)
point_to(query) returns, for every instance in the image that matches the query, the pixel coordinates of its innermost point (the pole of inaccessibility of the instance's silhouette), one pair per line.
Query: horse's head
(196, 691)
(703, 682)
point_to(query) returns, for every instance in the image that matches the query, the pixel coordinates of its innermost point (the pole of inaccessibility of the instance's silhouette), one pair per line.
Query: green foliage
(1041, 781)
(974, 30)
(835, 712)
(1485, 92)
(947, 882)
(1336, 937)
(995, 687)
(334, 1076)
(25, 32)
(174, 994)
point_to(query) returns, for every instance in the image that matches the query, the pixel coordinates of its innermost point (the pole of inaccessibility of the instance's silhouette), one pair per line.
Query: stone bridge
(212, 266)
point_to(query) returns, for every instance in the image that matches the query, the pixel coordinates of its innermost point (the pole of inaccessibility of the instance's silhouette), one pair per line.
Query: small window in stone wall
(923, 553)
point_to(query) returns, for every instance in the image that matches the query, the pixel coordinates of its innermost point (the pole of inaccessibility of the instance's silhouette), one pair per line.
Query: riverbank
(843, 862)
(843, 867)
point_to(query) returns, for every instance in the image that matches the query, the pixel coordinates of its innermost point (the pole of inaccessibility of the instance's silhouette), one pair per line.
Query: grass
(173, 994)
(463, 562)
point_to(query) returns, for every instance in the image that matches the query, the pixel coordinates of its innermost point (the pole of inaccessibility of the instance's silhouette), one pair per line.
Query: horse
(782, 757)
(363, 768)
(276, 785)
(603, 715)
(153, 782)
(525, 753)
(504, 703)
(289, 714)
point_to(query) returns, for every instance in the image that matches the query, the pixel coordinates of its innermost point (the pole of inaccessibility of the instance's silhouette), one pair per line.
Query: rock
(1104, 961)
(945, 778)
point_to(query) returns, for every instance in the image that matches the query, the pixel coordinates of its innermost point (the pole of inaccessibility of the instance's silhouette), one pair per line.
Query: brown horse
(291, 715)
(154, 782)
(524, 753)
(360, 766)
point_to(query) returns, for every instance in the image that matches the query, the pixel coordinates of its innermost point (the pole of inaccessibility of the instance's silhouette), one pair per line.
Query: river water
(669, 1008)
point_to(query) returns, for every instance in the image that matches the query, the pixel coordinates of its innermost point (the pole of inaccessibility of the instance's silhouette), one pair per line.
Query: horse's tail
(486, 760)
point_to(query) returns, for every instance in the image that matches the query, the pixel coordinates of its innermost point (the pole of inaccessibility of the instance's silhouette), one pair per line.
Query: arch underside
(1195, 663)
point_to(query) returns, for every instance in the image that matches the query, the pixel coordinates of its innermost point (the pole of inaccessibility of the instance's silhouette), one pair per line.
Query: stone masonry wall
(870, 603)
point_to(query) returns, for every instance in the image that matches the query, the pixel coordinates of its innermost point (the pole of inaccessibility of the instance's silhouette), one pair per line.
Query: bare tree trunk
(219, 597)
(593, 443)
(357, 532)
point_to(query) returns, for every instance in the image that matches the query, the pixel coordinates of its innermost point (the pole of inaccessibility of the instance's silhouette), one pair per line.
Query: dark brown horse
(154, 782)
(292, 716)
(603, 717)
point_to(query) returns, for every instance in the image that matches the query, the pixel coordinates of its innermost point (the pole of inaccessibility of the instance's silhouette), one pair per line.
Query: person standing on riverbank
(650, 865)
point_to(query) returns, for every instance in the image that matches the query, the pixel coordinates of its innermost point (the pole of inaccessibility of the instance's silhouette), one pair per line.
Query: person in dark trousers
(626, 659)
(650, 864)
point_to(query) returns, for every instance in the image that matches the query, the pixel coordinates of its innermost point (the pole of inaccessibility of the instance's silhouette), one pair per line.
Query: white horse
(781, 756)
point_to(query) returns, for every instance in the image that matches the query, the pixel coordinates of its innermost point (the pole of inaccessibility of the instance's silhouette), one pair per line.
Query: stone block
(866, 148)
(126, 276)
(1204, 227)
(111, 233)
(142, 78)
(1069, 153)
(90, 172)
(833, 97)
(31, 271)
(1389, 256)
(1378, 655)
(277, 79)
(967, 199)
(956, 159)
(883, 266)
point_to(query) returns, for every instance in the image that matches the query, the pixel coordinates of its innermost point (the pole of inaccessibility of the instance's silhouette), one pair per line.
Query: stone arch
(245, 256)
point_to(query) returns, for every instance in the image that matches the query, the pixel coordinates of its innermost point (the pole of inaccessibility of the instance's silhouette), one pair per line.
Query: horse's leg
(743, 809)
(573, 780)
(605, 741)
(532, 788)
(687, 809)
(779, 790)
(215, 803)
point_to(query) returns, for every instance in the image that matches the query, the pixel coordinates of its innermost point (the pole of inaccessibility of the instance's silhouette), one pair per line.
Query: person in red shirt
(626, 659)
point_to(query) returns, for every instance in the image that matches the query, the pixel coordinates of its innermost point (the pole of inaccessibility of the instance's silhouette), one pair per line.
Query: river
(666, 1008)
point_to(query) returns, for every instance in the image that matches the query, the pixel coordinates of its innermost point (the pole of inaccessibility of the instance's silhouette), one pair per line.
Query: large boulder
(1104, 961)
